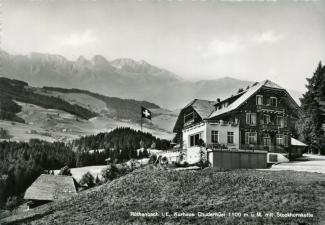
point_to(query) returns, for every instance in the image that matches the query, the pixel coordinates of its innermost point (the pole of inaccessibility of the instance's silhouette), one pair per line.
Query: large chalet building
(259, 118)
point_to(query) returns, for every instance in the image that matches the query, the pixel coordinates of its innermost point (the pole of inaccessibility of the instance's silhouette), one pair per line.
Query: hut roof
(296, 142)
(51, 187)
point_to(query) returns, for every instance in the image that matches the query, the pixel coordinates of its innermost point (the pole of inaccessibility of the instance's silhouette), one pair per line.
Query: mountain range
(123, 78)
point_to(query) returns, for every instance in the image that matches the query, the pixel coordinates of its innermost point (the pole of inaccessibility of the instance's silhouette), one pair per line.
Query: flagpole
(141, 120)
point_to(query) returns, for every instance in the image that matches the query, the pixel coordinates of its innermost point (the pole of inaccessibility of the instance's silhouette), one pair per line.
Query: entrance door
(266, 142)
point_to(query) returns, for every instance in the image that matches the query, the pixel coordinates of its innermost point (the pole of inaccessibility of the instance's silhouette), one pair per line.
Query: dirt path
(307, 163)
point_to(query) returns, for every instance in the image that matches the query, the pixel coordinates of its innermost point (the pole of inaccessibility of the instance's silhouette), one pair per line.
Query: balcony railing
(270, 108)
(270, 148)
(270, 126)
(187, 123)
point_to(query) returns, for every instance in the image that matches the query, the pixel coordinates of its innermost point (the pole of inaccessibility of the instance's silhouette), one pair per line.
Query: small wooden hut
(297, 148)
(48, 188)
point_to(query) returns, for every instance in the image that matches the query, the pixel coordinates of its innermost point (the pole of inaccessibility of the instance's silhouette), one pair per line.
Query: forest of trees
(311, 124)
(120, 145)
(8, 110)
(21, 163)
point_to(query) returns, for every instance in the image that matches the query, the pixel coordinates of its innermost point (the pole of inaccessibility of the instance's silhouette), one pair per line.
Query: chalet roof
(203, 107)
(208, 109)
(244, 97)
(296, 142)
(51, 187)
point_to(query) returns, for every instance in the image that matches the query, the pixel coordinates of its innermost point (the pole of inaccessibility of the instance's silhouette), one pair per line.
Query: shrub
(4, 134)
(153, 159)
(203, 164)
(12, 202)
(88, 179)
(65, 171)
(98, 181)
(113, 171)
(110, 172)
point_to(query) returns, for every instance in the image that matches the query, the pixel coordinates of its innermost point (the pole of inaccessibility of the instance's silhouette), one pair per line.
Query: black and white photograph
(171, 112)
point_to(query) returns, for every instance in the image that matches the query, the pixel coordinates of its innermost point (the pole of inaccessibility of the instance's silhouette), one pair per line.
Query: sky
(197, 39)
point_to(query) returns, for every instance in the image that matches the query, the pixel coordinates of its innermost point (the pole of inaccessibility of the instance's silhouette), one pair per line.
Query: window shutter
(246, 138)
(247, 118)
(285, 121)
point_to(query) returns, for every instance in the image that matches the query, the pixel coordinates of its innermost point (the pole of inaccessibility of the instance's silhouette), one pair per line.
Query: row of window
(251, 119)
(215, 137)
(196, 138)
(251, 138)
(272, 101)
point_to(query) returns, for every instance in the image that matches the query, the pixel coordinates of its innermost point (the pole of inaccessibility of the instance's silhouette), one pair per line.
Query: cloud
(76, 39)
(267, 37)
(235, 44)
(218, 47)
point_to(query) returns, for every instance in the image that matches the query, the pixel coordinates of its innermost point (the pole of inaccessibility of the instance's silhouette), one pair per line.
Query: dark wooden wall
(238, 159)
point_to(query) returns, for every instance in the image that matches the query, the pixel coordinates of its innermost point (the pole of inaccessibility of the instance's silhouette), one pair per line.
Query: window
(250, 137)
(274, 101)
(273, 157)
(230, 137)
(214, 136)
(266, 119)
(280, 121)
(286, 140)
(266, 140)
(259, 99)
(195, 139)
(279, 139)
(189, 117)
(251, 118)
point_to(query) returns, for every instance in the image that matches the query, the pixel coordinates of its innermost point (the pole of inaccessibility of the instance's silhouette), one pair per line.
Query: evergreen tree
(310, 125)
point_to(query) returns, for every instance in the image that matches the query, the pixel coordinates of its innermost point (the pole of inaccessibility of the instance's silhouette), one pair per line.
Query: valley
(56, 114)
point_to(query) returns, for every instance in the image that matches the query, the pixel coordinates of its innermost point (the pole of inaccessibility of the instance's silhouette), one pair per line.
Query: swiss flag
(145, 113)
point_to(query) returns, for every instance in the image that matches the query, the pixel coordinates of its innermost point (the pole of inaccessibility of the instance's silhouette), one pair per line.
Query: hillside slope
(62, 114)
(11, 90)
(207, 191)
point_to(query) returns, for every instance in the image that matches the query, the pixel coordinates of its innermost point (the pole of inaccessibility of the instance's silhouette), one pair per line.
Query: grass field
(77, 173)
(57, 125)
(190, 192)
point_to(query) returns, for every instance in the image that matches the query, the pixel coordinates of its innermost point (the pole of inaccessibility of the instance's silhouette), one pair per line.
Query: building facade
(259, 118)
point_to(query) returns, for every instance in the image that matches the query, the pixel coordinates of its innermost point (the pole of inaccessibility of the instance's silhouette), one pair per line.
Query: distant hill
(115, 107)
(11, 90)
(52, 114)
(123, 78)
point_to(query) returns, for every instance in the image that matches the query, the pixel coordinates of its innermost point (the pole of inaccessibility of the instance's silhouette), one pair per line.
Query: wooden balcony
(188, 123)
(270, 127)
(270, 148)
(270, 109)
